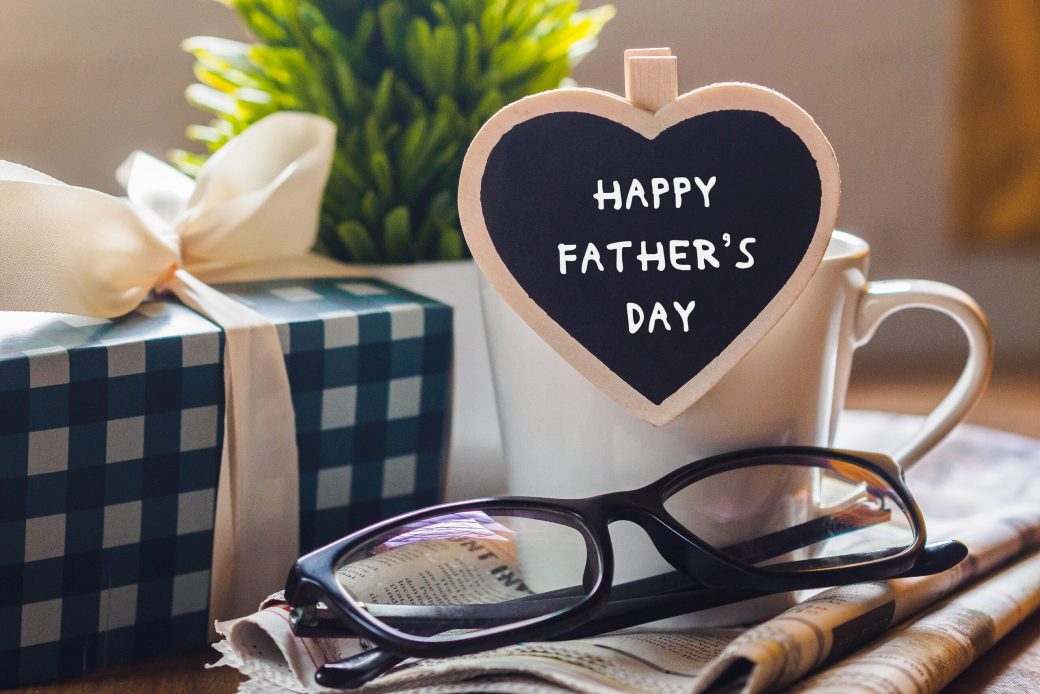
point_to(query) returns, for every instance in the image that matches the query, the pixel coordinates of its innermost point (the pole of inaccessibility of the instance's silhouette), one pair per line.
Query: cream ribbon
(252, 214)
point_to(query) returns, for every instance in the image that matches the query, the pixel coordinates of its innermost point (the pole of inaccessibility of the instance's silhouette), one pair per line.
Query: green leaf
(418, 46)
(211, 100)
(429, 234)
(412, 104)
(513, 59)
(397, 236)
(373, 136)
(212, 78)
(216, 46)
(450, 245)
(205, 133)
(491, 24)
(442, 206)
(469, 60)
(381, 100)
(365, 29)
(310, 15)
(441, 13)
(446, 122)
(343, 167)
(379, 165)
(347, 85)
(413, 141)
(489, 104)
(269, 30)
(393, 26)
(445, 55)
(549, 78)
(371, 208)
(356, 238)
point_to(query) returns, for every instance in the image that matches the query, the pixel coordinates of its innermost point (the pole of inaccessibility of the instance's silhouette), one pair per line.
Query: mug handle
(882, 299)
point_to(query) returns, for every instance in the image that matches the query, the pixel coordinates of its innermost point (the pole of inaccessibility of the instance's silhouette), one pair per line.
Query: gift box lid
(44, 340)
(285, 302)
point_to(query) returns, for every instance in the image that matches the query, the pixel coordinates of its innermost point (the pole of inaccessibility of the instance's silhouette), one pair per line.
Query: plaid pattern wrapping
(110, 438)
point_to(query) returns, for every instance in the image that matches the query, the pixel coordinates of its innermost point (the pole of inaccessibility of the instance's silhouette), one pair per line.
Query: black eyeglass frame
(313, 577)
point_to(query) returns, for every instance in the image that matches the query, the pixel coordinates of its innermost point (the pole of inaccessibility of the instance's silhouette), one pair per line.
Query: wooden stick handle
(651, 77)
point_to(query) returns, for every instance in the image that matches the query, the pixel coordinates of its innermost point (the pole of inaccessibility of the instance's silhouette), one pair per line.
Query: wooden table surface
(1012, 403)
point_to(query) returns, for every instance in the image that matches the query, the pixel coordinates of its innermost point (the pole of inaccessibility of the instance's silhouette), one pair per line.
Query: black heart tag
(652, 251)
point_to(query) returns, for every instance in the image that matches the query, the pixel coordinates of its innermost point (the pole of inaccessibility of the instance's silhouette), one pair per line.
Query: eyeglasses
(475, 575)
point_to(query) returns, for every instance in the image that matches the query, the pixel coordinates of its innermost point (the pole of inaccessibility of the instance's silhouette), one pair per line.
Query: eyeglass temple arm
(855, 515)
(313, 624)
(357, 670)
(627, 612)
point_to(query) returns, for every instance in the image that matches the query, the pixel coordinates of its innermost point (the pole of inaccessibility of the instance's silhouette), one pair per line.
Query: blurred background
(932, 106)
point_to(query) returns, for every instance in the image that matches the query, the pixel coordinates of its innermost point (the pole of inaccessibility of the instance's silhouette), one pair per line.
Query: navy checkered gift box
(110, 443)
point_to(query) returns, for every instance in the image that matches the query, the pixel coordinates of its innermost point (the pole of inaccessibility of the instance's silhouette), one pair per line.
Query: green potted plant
(408, 83)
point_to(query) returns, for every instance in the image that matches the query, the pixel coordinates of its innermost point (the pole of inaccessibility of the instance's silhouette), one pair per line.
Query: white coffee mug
(563, 437)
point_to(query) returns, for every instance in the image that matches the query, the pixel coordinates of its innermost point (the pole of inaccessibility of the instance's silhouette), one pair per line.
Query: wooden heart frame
(717, 97)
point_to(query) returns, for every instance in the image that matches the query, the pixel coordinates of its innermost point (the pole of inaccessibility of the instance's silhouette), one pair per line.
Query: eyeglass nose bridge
(645, 509)
(628, 505)
(642, 507)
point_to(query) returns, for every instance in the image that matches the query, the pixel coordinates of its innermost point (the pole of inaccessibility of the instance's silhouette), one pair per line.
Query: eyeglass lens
(453, 574)
(795, 512)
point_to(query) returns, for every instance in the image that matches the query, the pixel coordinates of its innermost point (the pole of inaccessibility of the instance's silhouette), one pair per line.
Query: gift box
(111, 433)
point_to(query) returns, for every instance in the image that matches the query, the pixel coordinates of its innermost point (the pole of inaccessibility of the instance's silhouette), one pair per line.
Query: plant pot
(475, 464)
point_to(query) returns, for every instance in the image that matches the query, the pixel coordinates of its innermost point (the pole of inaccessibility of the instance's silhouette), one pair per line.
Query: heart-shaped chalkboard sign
(651, 250)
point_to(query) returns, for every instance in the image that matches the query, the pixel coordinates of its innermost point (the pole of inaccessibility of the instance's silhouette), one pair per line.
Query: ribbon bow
(252, 214)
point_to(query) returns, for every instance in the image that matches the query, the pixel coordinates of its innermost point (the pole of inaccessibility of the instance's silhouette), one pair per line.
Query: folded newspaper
(901, 635)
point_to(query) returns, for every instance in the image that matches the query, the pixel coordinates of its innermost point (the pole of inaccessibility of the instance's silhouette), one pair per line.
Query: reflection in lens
(794, 512)
(455, 573)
